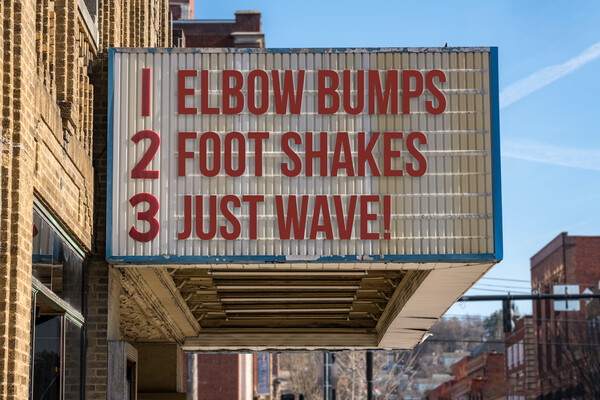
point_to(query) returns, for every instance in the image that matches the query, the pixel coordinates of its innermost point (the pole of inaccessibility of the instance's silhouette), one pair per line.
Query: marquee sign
(303, 155)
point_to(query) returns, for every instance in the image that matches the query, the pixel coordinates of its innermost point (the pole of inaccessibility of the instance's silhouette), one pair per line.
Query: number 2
(139, 171)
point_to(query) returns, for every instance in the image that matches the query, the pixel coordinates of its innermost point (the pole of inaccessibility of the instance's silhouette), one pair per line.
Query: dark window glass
(46, 358)
(57, 368)
(56, 264)
(72, 362)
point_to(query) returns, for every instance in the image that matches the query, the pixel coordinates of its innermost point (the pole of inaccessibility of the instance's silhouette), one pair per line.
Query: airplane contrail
(545, 76)
(550, 154)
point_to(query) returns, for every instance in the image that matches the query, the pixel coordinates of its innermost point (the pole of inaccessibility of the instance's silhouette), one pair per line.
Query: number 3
(148, 215)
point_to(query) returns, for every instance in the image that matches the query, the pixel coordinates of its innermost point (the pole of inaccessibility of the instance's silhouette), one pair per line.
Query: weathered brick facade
(218, 376)
(521, 361)
(243, 31)
(53, 143)
(122, 24)
(479, 376)
(566, 260)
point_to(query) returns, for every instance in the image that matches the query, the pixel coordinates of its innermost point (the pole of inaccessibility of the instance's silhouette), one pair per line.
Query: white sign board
(319, 155)
(566, 305)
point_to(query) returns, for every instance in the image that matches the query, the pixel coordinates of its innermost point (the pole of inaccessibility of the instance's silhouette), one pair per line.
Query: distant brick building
(521, 361)
(479, 376)
(243, 31)
(181, 9)
(228, 376)
(573, 260)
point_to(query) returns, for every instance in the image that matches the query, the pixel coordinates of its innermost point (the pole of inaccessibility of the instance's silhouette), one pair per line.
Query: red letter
(241, 158)
(148, 216)
(292, 221)
(145, 92)
(407, 94)
(291, 154)
(282, 99)
(410, 146)
(212, 218)
(365, 154)
(435, 92)
(345, 230)
(360, 92)
(324, 91)
(321, 154)
(342, 143)
(235, 91)
(388, 153)
(204, 98)
(321, 206)
(204, 154)
(383, 99)
(365, 217)
(253, 201)
(182, 91)
(187, 218)
(182, 154)
(264, 92)
(235, 224)
(139, 171)
(258, 138)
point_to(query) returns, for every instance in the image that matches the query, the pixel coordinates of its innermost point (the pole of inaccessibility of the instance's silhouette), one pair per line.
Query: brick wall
(199, 33)
(565, 260)
(132, 23)
(17, 19)
(218, 376)
(522, 378)
(46, 153)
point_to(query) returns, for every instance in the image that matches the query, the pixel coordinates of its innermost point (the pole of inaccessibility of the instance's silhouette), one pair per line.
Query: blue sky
(549, 55)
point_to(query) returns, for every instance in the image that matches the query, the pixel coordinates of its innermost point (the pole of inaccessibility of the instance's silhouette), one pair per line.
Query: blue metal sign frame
(260, 259)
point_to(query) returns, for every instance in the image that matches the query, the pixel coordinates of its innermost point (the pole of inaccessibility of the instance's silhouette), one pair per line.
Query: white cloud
(545, 76)
(550, 154)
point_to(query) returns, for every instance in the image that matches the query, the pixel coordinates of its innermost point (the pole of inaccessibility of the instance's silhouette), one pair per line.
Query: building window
(521, 353)
(58, 325)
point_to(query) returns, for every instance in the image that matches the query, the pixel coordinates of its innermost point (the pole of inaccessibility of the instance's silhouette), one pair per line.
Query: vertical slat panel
(449, 210)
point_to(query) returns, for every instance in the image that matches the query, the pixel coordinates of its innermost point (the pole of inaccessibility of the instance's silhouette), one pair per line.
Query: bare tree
(582, 354)
(388, 368)
(394, 372)
(301, 373)
(349, 372)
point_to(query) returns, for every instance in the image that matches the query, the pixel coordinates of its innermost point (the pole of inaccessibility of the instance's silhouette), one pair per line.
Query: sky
(549, 64)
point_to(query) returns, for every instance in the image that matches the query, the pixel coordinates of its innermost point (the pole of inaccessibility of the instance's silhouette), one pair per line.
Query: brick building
(58, 292)
(478, 376)
(181, 9)
(521, 362)
(226, 376)
(566, 260)
(588, 366)
(243, 31)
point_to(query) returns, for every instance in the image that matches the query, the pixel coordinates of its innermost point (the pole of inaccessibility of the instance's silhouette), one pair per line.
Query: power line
(431, 339)
(495, 291)
(482, 317)
(503, 286)
(506, 279)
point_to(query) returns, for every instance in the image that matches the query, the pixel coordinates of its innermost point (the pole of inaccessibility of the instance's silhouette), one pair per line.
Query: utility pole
(327, 363)
(369, 363)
